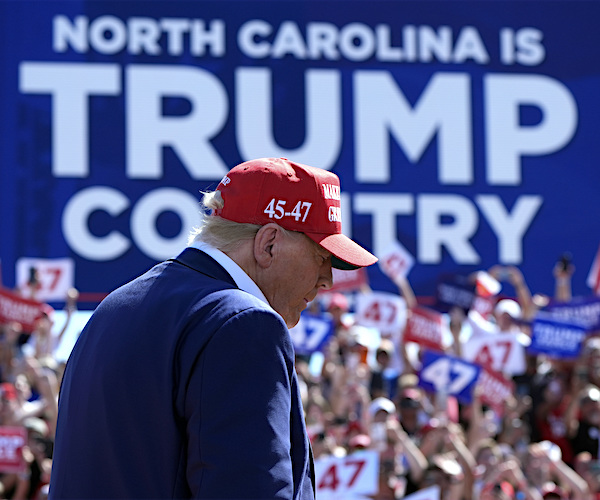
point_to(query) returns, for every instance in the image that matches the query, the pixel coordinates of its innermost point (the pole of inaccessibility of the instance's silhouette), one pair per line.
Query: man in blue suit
(182, 385)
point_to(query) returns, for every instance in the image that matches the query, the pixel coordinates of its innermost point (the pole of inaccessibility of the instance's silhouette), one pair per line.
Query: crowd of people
(542, 444)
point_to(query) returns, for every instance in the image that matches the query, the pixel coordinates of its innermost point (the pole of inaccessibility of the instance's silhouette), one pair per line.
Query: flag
(487, 285)
(593, 279)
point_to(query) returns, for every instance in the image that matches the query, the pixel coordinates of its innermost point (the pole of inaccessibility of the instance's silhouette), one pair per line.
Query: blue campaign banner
(465, 130)
(454, 291)
(311, 333)
(555, 337)
(450, 375)
(582, 310)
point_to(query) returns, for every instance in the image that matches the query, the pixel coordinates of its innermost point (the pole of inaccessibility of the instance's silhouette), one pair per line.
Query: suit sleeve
(238, 403)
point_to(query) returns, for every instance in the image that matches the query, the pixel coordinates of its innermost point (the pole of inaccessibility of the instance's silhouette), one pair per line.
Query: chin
(291, 323)
(292, 319)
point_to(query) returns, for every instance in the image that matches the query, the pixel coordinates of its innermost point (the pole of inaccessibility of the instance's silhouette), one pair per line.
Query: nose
(325, 275)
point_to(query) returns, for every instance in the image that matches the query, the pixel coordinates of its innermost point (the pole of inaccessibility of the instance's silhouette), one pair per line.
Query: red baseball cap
(296, 197)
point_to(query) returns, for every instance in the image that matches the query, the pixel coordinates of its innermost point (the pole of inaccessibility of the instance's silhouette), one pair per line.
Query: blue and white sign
(449, 375)
(454, 291)
(465, 130)
(556, 338)
(311, 333)
(582, 310)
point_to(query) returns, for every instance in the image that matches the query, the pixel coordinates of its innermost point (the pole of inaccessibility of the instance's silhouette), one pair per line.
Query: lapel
(204, 264)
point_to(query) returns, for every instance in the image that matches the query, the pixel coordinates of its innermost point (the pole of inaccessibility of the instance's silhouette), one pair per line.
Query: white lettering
(75, 225)
(360, 42)
(380, 109)
(357, 42)
(66, 33)
(549, 336)
(250, 38)
(529, 49)
(335, 214)
(212, 38)
(384, 208)
(175, 30)
(144, 34)
(331, 192)
(434, 233)
(507, 141)
(9, 446)
(254, 117)
(70, 85)
(435, 44)
(509, 227)
(289, 41)
(148, 131)
(138, 35)
(470, 46)
(108, 35)
(322, 41)
(144, 215)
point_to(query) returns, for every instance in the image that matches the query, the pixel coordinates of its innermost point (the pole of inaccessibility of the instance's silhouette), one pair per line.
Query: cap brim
(346, 254)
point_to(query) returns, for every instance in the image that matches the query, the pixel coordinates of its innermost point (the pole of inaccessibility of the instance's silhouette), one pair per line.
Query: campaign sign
(556, 338)
(495, 389)
(499, 352)
(16, 308)
(346, 477)
(454, 291)
(55, 276)
(381, 310)
(583, 310)
(453, 126)
(348, 281)
(396, 262)
(12, 440)
(450, 375)
(311, 333)
(424, 326)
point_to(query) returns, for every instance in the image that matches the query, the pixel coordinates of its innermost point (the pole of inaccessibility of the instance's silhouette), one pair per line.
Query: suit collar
(204, 264)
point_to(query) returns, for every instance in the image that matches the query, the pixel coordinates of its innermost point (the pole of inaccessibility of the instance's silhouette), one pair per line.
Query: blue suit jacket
(182, 385)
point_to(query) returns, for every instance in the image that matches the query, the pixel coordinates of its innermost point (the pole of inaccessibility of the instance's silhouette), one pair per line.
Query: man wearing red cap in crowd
(182, 384)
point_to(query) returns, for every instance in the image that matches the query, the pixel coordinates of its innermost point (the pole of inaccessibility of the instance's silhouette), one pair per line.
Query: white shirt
(242, 280)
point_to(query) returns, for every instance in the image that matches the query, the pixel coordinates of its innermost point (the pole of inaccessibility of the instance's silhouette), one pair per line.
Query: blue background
(32, 200)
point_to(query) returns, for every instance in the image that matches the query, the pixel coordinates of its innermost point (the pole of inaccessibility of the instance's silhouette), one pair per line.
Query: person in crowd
(197, 352)
(541, 444)
(545, 469)
(503, 326)
(583, 422)
(550, 412)
(589, 364)
(589, 470)
(383, 378)
(338, 308)
(43, 341)
(447, 474)
(400, 461)
(10, 350)
(412, 413)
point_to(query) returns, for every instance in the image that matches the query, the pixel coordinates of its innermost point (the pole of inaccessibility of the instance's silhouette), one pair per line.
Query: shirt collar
(242, 280)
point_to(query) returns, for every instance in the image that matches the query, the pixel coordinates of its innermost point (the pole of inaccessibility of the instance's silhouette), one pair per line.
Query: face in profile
(299, 269)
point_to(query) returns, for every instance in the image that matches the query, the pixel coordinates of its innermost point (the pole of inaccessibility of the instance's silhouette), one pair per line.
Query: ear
(264, 243)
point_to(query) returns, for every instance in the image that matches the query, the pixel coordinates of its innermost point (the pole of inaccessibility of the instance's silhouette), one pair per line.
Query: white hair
(220, 233)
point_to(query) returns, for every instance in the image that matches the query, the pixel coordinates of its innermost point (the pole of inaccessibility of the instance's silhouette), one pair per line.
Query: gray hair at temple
(220, 233)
